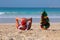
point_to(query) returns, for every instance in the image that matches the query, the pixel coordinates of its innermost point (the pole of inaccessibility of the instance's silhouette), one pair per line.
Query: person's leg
(29, 23)
(47, 25)
(41, 26)
(23, 28)
(17, 23)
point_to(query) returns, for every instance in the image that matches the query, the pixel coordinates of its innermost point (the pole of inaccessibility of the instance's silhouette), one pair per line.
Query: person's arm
(30, 19)
(17, 22)
(18, 18)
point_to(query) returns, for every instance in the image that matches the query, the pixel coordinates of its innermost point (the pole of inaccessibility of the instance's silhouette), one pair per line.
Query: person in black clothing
(44, 21)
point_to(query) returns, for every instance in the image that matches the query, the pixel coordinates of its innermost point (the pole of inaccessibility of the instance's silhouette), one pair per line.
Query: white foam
(1, 13)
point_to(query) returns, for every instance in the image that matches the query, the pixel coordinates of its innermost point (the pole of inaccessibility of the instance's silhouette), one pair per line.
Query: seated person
(25, 24)
(45, 23)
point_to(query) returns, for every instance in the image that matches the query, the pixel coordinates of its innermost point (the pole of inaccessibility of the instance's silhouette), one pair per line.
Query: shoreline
(34, 20)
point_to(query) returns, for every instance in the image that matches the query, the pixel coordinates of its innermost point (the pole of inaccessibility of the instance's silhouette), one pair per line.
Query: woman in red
(25, 24)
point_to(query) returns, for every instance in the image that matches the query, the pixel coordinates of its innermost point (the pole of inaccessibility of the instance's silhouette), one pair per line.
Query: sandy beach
(8, 31)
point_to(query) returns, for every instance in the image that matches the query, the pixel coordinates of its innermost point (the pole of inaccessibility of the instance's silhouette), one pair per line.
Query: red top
(23, 21)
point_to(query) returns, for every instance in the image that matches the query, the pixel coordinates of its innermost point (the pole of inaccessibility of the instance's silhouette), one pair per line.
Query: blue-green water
(29, 12)
(6, 12)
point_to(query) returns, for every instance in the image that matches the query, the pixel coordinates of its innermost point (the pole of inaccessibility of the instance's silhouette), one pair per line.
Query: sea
(8, 14)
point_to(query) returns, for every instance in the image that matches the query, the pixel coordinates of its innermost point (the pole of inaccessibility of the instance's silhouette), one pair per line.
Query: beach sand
(8, 31)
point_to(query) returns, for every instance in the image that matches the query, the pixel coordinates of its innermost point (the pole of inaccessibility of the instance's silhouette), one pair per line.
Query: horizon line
(29, 7)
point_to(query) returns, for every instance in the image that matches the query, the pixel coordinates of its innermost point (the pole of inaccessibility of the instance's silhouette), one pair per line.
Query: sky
(29, 3)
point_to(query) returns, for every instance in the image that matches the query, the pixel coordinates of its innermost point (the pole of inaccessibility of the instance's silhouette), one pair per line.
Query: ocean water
(8, 15)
